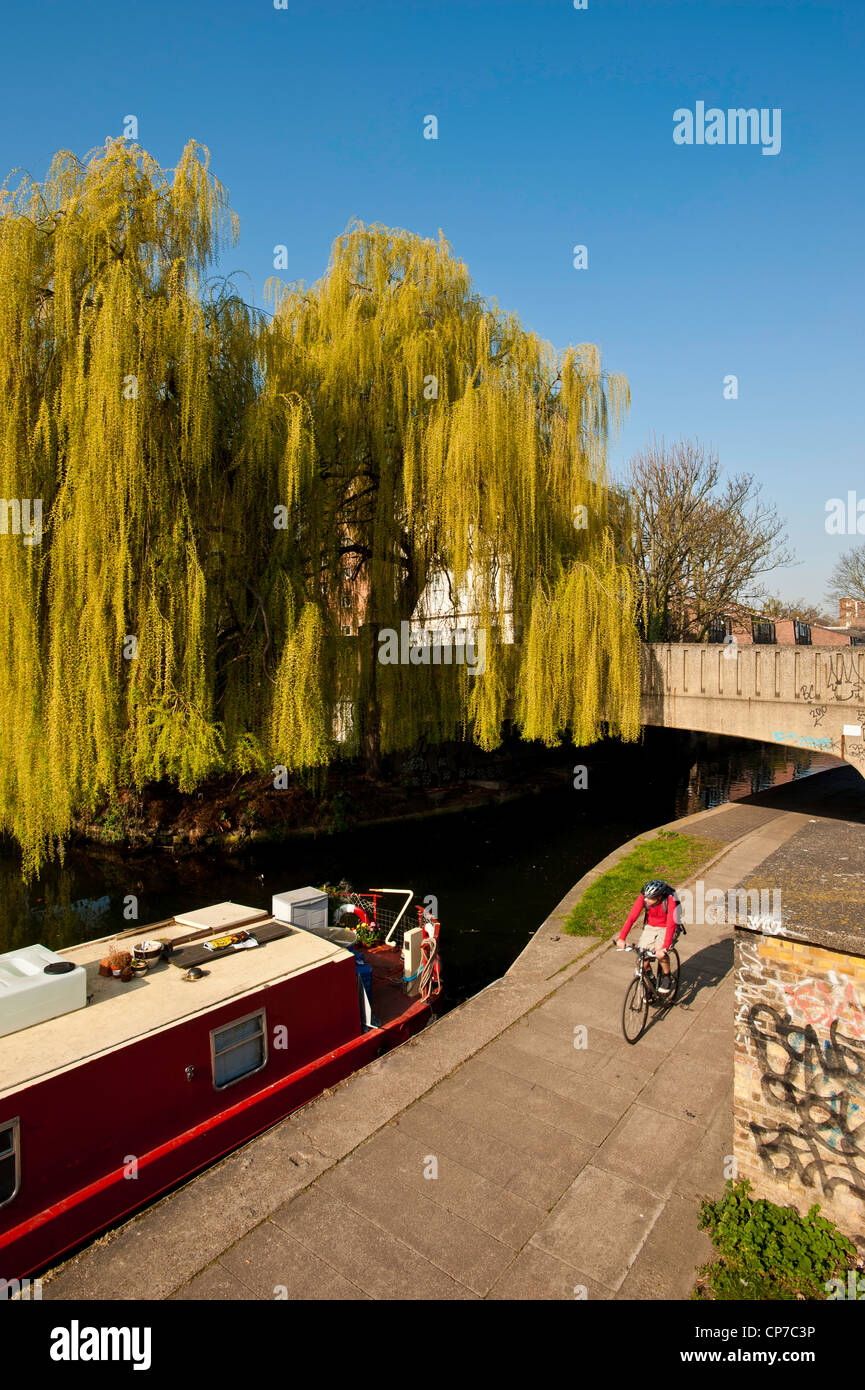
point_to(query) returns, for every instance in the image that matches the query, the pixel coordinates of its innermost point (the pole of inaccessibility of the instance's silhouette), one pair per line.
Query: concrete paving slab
(585, 1122)
(705, 1173)
(585, 1089)
(215, 1284)
(557, 1049)
(732, 822)
(600, 1225)
(688, 1087)
(650, 1148)
(568, 1010)
(472, 1148)
(487, 1204)
(554, 1157)
(606, 1039)
(609, 1045)
(670, 1256)
(535, 1275)
(520, 1173)
(715, 1026)
(275, 1266)
(454, 1245)
(363, 1252)
(630, 1071)
(668, 1027)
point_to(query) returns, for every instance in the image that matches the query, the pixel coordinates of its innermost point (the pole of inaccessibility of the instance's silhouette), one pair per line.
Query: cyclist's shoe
(665, 985)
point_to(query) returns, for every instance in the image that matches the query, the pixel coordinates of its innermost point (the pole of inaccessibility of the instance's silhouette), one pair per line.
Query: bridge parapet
(811, 698)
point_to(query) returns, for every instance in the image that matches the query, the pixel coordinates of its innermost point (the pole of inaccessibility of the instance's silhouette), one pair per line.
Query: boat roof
(118, 1013)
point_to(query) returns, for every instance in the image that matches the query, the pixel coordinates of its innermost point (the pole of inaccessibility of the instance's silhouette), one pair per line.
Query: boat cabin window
(10, 1168)
(238, 1049)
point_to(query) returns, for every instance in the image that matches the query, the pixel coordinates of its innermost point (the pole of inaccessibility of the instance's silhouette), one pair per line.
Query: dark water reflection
(496, 872)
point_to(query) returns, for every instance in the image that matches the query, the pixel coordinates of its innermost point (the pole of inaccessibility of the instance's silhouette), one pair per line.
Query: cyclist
(659, 926)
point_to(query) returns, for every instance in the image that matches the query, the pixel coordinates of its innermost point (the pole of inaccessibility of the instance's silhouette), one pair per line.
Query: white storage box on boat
(37, 984)
(302, 907)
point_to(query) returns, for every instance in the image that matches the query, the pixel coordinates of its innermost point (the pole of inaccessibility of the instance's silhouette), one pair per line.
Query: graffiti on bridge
(824, 744)
(842, 677)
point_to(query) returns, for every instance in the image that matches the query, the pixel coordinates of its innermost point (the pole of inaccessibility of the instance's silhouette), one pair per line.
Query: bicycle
(643, 989)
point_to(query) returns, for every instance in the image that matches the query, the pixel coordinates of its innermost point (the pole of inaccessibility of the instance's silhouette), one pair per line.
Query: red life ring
(358, 912)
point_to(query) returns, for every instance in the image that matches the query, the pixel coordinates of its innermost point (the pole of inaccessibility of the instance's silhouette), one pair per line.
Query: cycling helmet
(655, 889)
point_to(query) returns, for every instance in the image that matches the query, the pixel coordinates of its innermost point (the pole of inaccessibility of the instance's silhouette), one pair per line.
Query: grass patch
(606, 903)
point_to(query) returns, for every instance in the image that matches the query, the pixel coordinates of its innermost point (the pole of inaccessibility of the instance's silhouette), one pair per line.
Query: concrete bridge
(810, 698)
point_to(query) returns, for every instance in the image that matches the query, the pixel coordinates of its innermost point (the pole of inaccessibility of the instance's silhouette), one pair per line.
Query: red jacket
(655, 917)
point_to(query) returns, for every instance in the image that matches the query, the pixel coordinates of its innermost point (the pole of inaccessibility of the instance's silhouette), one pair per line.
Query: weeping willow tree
(433, 435)
(217, 495)
(125, 381)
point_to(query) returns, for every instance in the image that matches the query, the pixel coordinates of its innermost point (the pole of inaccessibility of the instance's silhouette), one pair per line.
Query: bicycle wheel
(635, 1011)
(667, 999)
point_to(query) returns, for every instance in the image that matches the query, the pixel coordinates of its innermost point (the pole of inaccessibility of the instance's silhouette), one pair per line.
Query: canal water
(495, 872)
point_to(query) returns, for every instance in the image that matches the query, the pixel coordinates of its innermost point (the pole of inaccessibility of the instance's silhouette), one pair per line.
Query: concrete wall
(802, 697)
(799, 1079)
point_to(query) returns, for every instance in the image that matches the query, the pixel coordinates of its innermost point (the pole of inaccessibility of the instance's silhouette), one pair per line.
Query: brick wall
(799, 1089)
(786, 637)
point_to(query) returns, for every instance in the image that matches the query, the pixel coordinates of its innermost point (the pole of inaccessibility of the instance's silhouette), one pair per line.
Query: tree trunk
(371, 729)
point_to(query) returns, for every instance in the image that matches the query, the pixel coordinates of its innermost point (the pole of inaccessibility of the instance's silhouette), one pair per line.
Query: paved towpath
(559, 1170)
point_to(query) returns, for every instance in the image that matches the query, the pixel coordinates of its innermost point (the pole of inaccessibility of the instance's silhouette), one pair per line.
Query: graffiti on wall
(817, 1087)
(818, 1001)
(805, 1040)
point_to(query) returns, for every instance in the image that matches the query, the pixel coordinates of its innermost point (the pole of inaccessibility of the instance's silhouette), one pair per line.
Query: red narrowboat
(129, 1063)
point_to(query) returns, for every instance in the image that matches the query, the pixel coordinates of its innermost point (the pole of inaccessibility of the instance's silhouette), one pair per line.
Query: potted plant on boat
(119, 963)
(368, 934)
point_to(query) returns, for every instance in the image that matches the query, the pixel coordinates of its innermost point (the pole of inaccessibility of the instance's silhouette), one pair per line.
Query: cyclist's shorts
(652, 938)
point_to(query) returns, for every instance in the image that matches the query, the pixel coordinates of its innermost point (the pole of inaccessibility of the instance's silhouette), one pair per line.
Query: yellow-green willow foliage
(438, 435)
(221, 498)
(123, 383)
(299, 719)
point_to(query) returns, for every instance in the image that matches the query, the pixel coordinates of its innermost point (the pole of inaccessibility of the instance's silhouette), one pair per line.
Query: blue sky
(555, 128)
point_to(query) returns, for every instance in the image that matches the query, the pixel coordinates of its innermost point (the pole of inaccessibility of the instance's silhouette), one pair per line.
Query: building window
(763, 631)
(239, 1049)
(10, 1160)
